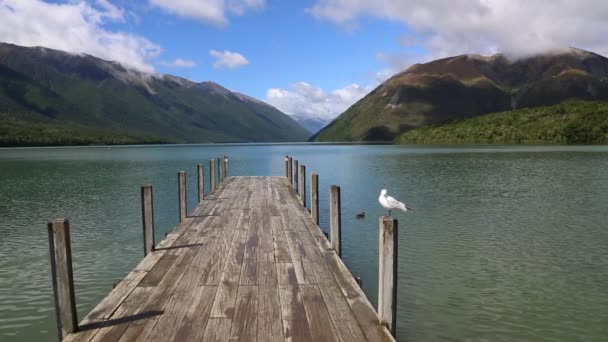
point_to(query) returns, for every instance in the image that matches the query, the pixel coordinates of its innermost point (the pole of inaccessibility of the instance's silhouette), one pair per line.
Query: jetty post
(219, 170)
(335, 219)
(302, 184)
(226, 168)
(287, 166)
(295, 176)
(387, 275)
(314, 197)
(63, 276)
(290, 170)
(212, 174)
(181, 185)
(201, 182)
(147, 217)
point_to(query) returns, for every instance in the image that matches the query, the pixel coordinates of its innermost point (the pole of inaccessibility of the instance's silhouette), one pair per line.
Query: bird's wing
(394, 203)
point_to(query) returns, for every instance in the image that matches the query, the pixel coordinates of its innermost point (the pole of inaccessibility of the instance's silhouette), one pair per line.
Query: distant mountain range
(312, 124)
(53, 97)
(467, 86)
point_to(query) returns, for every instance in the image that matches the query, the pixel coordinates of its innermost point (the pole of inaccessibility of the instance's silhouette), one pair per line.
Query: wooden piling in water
(181, 186)
(219, 170)
(387, 275)
(290, 170)
(314, 197)
(226, 167)
(147, 217)
(212, 174)
(201, 182)
(335, 219)
(63, 277)
(303, 185)
(295, 175)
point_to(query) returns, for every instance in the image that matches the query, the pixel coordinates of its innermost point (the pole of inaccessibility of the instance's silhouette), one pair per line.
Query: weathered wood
(244, 323)
(290, 167)
(335, 219)
(212, 174)
(226, 168)
(249, 264)
(387, 275)
(220, 170)
(287, 166)
(293, 313)
(314, 197)
(62, 276)
(318, 316)
(295, 175)
(217, 330)
(181, 185)
(147, 218)
(303, 185)
(201, 182)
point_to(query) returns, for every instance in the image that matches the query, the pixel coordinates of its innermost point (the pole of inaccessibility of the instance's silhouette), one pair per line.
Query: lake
(506, 243)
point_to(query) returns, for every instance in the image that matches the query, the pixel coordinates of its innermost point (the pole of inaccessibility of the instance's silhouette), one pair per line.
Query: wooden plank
(293, 314)
(249, 272)
(286, 274)
(158, 272)
(321, 327)
(270, 327)
(362, 310)
(344, 321)
(267, 274)
(218, 330)
(225, 300)
(244, 324)
(195, 320)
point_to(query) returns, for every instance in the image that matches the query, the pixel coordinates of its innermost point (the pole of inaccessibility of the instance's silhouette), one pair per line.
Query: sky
(309, 58)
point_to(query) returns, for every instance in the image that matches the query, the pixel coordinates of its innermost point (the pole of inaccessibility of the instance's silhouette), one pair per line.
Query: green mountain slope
(58, 91)
(571, 122)
(467, 86)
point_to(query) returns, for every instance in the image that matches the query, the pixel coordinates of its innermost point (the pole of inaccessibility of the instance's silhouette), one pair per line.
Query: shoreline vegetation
(572, 122)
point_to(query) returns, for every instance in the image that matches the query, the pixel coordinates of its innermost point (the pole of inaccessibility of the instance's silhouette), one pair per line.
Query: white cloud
(520, 27)
(211, 11)
(228, 59)
(307, 101)
(179, 63)
(76, 27)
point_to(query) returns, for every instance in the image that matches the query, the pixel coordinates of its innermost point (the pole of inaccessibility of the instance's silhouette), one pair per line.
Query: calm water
(507, 243)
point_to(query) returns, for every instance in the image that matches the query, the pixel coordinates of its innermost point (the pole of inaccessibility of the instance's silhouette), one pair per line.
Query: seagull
(389, 203)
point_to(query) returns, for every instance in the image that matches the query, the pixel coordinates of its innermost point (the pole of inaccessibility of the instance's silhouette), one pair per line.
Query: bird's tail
(408, 209)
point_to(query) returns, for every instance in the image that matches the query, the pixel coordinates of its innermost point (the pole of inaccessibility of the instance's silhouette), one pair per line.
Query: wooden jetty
(249, 263)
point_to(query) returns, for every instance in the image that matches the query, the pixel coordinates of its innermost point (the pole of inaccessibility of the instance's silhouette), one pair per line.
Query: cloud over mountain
(308, 101)
(76, 27)
(448, 27)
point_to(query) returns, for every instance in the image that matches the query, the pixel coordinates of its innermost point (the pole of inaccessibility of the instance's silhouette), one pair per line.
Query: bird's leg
(389, 212)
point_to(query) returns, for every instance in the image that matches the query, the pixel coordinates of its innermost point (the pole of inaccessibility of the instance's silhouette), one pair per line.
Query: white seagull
(389, 203)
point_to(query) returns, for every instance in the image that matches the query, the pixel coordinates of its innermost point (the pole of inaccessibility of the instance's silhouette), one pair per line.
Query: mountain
(59, 94)
(466, 86)
(570, 122)
(312, 124)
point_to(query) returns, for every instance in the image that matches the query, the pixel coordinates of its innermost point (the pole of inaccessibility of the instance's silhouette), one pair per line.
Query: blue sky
(309, 58)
